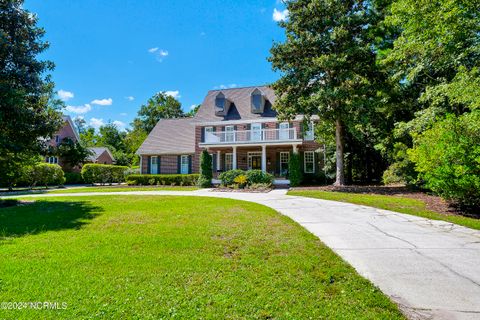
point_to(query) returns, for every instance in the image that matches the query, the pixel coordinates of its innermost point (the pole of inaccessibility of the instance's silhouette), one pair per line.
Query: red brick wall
(168, 164)
(105, 158)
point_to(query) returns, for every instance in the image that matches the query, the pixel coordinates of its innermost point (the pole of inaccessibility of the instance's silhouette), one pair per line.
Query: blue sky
(111, 56)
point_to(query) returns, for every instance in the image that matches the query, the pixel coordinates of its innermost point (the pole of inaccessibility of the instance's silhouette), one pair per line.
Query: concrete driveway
(430, 268)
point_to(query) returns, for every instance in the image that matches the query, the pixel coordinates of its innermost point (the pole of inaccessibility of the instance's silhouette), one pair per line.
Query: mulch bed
(432, 203)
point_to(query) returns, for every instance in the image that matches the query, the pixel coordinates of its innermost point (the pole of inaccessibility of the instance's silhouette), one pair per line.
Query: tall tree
(328, 65)
(28, 111)
(160, 106)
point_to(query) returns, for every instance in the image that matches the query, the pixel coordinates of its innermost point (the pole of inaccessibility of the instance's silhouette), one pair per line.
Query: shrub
(402, 170)
(259, 177)
(228, 177)
(45, 174)
(163, 179)
(73, 178)
(205, 180)
(294, 170)
(241, 180)
(103, 173)
(447, 158)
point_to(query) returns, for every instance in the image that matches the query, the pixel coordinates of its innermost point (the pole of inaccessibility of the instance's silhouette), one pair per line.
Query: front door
(154, 165)
(254, 160)
(184, 165)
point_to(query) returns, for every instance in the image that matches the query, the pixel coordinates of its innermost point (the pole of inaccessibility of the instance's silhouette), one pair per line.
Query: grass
(98, 189)
(394, 203)
(154, 257)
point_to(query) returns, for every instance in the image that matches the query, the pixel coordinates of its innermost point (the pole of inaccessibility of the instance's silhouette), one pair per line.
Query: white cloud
(119, 124)
(193, 106)
(65, 95)
(175, 94)
(79, 109)
(158, 53)
(226, 86)
(96, 123)
(280, 15)
(130, 98)
(103, 102)
(123, 114)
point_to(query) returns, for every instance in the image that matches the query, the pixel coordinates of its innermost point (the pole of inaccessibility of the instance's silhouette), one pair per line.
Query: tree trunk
(340, 178)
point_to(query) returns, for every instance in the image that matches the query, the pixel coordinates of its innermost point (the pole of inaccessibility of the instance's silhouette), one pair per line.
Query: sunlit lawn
(393, 203)
(157, 257)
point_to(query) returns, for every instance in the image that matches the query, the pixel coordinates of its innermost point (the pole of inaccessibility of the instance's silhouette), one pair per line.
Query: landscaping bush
(447, 157)
(163, 179)
(73, 178)
(103, 173)
(227, 178)
(45, 174)
(259, 177)
(205, 180)
(294, 170)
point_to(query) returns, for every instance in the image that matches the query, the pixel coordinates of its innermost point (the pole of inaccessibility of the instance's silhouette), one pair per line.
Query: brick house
(66, 131)
(239, 128)
(100, 155)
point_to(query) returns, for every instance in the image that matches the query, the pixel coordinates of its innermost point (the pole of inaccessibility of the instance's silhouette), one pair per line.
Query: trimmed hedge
(236, 177)
(45, 174)
(73, 178)
(103, 173)
(163, 179)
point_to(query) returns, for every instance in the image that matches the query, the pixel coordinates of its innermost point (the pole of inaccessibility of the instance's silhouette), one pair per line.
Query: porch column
(218, 160)
(234, 158)
(264, 158)
(295, 148)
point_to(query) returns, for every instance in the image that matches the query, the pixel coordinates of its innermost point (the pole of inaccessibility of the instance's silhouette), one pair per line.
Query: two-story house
(239, 128)
(69, 131)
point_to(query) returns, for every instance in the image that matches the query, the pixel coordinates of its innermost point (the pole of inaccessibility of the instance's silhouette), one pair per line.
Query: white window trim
(154, 164)
(182, 157)
(230, 132)
(227, 155)
(305, 161)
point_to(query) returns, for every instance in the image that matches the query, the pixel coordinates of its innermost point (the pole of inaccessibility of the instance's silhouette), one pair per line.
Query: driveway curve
(430, 268)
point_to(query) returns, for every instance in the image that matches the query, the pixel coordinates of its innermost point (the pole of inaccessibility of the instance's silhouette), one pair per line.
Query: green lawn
(393, 203)
(100, 189)
(153, 257)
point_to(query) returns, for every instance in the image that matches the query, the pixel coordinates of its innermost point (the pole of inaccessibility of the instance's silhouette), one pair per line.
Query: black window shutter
(158, 164)
(302, 162)
(249, 126)
(190, 164)
(214, 163)
(149, 162)
(202, 135)
(277, 163)
(290, 124)
(214, 129)
(235, 128)
(179, 159)
(301, 130)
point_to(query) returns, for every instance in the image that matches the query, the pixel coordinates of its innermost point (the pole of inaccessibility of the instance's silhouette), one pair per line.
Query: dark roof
(97, 152)
(241, 104)
(170, 136)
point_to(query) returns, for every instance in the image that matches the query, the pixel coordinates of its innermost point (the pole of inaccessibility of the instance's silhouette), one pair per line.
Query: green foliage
(259, 177)
(227, 178)
(103, 173)
(28, 110)
(295, 170)
(160, 106)
(447, 157)
(240, 181)
(402, 171)
(45, 174)
(73, 178)
(163, 179)
(205, 180)
(72, 153)
(13, 168)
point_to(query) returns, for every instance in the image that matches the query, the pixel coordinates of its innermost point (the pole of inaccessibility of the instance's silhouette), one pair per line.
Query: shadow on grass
(43, 216)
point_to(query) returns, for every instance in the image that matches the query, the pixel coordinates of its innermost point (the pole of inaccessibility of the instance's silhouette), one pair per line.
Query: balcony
(251, 136)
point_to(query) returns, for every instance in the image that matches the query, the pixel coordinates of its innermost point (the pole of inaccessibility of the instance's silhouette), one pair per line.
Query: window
(209, 136)
(184, 164)
(57, 139)
(254, 160)
(52, 160)
(309, 133)
(256, 131)
(154, 165)
(309, 161)
(284, 130)
(284, 158)
(257, 101)
(229, 133)
(228, 161)
(220, 101)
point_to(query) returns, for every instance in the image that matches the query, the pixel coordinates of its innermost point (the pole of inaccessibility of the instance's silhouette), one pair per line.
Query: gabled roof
(241, 108)
(97, 152)
(67, 119)
(170, 136)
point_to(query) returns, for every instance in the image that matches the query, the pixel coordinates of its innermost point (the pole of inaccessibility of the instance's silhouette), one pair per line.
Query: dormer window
(258, 101)
(222, 104)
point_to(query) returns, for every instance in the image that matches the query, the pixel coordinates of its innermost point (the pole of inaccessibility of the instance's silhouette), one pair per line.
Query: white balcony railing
(251, 136)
